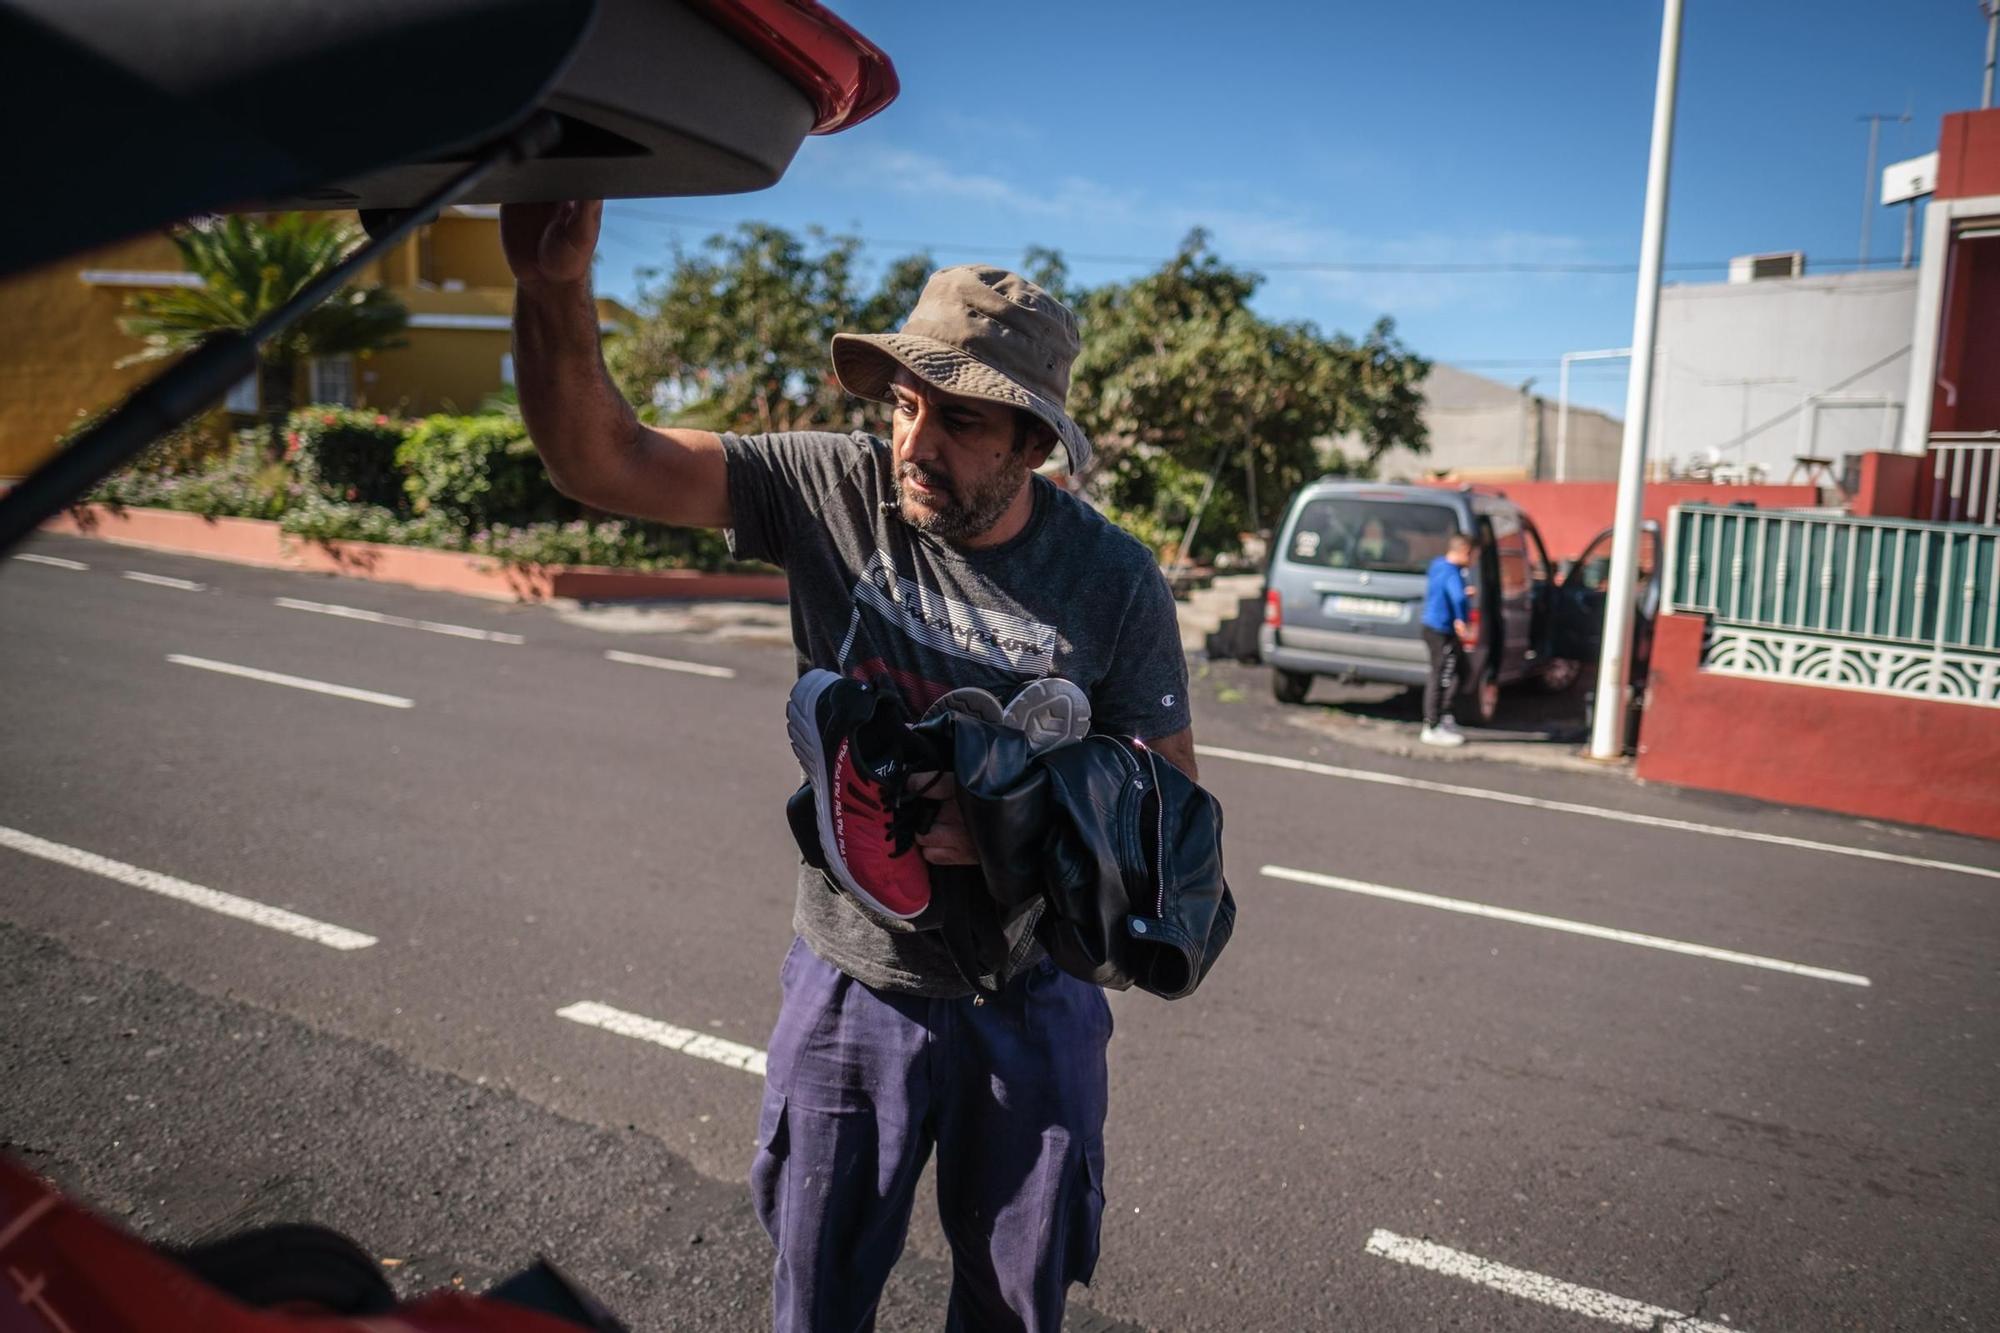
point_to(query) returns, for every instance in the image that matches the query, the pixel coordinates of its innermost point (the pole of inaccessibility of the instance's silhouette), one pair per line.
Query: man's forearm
(575, 415)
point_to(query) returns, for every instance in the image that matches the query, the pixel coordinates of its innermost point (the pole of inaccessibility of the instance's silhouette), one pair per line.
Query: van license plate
(1375, 608)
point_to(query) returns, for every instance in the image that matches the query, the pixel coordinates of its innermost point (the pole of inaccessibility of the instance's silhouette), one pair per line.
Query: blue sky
(1445, 131)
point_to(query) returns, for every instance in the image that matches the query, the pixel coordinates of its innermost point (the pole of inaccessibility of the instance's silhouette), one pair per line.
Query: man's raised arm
(596, 449)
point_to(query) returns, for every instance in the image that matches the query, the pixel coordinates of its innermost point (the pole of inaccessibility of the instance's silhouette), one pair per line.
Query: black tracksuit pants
(1441, 687)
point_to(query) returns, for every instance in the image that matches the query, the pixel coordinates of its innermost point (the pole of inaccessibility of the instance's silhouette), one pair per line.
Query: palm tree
(249, 266)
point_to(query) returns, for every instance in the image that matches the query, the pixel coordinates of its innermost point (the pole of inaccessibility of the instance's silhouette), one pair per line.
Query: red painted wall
(1569, 513)
(1969, 154)
(1889, 486)
(1881, 756)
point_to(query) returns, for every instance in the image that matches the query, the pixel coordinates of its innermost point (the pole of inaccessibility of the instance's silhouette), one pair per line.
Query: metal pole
(1607, 736)
(1992, 43)
(1909, 231)
(1562, 401)
(1868, 187)
(1562, 420)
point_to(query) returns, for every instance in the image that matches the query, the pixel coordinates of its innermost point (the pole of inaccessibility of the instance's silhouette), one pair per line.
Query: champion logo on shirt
(1010, 643)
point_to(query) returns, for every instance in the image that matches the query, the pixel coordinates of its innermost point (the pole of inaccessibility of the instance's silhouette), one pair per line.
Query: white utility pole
(1607, 733)
(1562, 401)
(1992, 8)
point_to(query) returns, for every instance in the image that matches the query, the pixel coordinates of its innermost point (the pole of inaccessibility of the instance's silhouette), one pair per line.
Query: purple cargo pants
(862, 1083)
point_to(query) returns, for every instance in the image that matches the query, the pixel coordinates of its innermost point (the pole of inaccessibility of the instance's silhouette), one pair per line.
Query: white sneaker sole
(1051, 711)
(801, 712)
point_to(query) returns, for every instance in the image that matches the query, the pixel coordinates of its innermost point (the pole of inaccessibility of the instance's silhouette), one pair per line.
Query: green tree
(734, 336)
(249, 266)
(1180, 378)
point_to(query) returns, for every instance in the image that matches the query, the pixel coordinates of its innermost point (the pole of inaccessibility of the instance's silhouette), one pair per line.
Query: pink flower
(381, 420)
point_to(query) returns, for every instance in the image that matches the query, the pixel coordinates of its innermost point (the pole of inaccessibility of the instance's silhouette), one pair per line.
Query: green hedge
(348, 455)
(479, 471)
(450, 483)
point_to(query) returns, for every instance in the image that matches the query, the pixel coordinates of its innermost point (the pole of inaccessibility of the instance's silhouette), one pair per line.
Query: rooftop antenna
(1868, 181)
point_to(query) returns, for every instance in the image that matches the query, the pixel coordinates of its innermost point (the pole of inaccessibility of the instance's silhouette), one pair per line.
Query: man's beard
(954, 517)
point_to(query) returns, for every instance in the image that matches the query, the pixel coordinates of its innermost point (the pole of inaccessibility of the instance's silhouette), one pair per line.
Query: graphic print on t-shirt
(1020, 647)
(904, 632)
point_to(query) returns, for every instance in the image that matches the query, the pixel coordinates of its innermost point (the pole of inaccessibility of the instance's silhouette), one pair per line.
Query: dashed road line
(1584, 928)
(671, 664)
(54, 561)
(1543, 1290)
(1575, 808)
(295, 682)
(162, 581)
(167, 886)
(685, 1040)
(400, 622)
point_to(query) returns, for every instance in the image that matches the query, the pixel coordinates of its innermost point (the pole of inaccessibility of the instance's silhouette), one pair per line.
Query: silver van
(1344, 593)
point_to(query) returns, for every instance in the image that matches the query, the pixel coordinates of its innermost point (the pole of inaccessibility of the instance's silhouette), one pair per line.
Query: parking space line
(1584, 928)
(54, 561)
(400, 622)
(295, 682)
(215, 900)
(671, 664)
(1586, 1301)
(162, 581)
(1574, 808)
(685, 1040)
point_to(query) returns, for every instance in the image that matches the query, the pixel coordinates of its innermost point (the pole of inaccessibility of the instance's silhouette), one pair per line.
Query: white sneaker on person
(1440, 737)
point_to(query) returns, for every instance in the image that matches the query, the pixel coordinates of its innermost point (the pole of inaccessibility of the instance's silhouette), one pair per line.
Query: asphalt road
(1602, 1047)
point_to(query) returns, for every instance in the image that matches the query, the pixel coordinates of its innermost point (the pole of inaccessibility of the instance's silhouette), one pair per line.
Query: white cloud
(1248, 228)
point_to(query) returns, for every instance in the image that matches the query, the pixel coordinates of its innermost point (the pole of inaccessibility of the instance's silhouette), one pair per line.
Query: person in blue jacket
(1445, 604)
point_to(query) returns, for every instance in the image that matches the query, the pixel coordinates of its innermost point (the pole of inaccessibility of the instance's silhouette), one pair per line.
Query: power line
(1358, 266)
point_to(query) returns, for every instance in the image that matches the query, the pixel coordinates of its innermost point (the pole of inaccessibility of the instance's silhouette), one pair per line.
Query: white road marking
(671, 664)
(1467, 908)
(228, 904)
(162, 581)
(400, 622)
(296, 682)
(686, 1041)
(1594, 811)
(1586, 1301)
(54, 560)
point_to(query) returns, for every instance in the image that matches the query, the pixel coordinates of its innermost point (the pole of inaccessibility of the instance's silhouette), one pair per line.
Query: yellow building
(60, 343)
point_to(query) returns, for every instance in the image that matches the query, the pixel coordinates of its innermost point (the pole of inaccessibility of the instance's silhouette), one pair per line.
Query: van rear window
(1386, 536)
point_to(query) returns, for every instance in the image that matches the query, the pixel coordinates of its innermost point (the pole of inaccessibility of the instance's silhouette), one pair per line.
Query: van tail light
(1471, 639)
(1274, 608)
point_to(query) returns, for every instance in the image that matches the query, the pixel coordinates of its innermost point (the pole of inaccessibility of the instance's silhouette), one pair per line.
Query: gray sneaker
(1052, 711)
(969, 700)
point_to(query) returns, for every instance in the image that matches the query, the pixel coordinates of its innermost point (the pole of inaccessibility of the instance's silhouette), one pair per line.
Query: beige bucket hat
(984, 333)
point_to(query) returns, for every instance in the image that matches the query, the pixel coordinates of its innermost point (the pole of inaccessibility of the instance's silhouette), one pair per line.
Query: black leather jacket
(1110, 854)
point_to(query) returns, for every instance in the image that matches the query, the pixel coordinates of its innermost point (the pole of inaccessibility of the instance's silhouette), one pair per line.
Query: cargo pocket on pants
(1084, 1217)
(767, 1169)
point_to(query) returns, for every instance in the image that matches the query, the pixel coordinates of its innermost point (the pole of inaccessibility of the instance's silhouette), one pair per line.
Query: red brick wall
(1882, 756)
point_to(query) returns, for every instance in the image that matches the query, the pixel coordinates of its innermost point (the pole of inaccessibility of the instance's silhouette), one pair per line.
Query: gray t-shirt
(1072, 596)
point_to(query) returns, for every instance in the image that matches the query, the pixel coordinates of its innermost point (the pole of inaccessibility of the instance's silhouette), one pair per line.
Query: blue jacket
(1444, 598)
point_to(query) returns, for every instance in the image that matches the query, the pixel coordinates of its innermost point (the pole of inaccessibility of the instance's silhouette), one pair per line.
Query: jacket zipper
(1160, 837)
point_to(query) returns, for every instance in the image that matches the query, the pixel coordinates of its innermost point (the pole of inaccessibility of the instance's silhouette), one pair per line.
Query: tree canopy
(1179, 376)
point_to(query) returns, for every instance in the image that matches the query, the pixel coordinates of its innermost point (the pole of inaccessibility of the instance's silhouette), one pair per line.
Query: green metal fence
(1886, 580)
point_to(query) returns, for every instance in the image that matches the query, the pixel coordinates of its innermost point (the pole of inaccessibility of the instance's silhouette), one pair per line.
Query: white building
(1756, 372)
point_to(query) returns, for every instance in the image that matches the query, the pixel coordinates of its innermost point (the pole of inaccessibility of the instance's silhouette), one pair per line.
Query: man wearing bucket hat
(941, 562)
